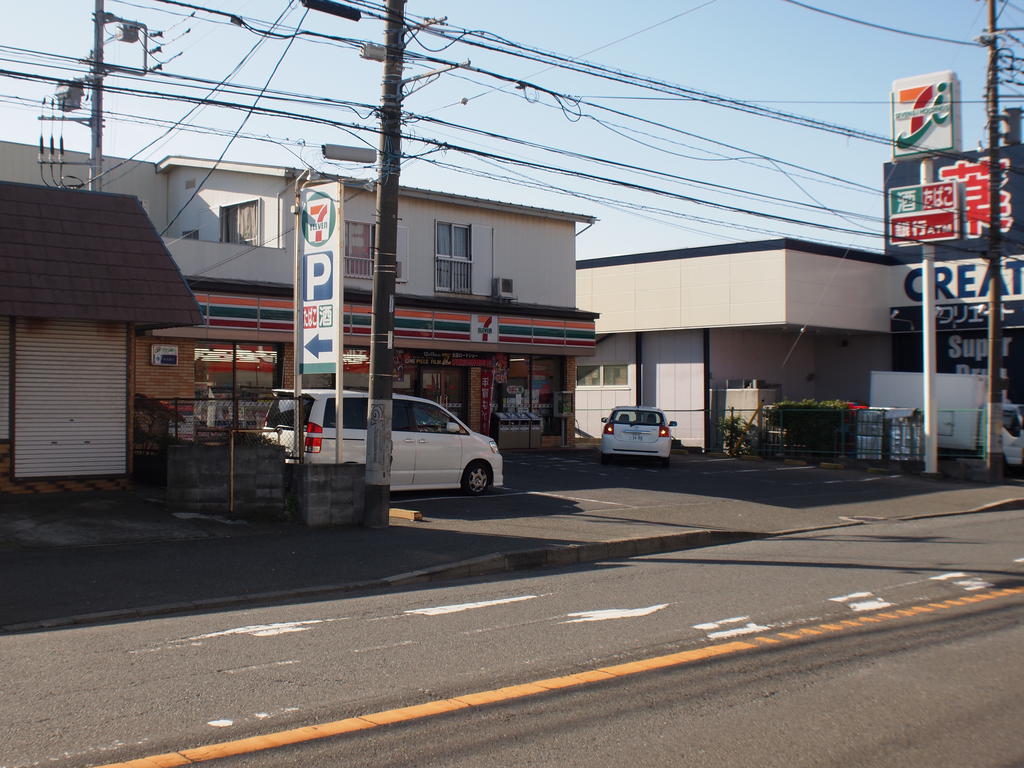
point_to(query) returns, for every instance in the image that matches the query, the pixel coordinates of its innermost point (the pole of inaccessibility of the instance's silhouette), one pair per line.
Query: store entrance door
(446, 386)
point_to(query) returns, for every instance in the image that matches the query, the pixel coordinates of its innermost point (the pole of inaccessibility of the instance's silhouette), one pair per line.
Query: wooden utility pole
(382, 348)
(993, 438)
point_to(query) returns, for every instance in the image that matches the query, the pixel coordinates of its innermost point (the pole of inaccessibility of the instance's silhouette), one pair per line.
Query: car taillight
(609, 428)
(314, 444)
(663, 432)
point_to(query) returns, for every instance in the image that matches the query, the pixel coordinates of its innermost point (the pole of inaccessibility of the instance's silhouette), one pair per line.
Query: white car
(431, 448)
(637, 431)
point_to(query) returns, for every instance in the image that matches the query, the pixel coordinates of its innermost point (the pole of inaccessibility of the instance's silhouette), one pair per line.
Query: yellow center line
(483, 698)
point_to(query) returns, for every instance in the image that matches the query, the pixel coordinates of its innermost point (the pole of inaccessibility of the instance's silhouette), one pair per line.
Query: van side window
(428, 418)
(354, 413)
(330, 417)
(401, 418)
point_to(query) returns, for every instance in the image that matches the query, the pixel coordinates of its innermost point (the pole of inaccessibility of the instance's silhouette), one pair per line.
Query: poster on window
(486, 395)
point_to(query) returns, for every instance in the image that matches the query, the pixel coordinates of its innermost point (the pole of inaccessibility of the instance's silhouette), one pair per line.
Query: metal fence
(883, 434)
(161, 423)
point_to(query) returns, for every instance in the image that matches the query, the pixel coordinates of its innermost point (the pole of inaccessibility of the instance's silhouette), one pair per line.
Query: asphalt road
(947, 677)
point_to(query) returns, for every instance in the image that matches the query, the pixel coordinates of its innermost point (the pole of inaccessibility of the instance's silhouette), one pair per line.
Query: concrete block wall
(330, 494)
(199, 480)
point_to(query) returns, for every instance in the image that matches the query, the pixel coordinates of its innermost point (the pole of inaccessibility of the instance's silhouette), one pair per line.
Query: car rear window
(282, 413)
(630, 416)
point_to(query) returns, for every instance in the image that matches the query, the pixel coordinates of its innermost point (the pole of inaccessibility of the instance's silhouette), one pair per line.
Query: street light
(334, 9)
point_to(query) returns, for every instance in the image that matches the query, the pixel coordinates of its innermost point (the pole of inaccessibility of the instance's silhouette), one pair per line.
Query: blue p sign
(317, 268)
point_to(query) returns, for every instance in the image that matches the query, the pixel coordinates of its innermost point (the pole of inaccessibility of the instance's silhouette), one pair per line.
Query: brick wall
(164, 381)
(474, 401)
(570, 386)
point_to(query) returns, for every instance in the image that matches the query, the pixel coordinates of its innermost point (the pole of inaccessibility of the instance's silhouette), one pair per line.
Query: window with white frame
(453, 260)
(358, 249)
(359, 245)
(606, 375)
(240, 223)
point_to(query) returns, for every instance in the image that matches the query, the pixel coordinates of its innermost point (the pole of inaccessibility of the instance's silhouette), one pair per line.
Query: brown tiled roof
(87, 256)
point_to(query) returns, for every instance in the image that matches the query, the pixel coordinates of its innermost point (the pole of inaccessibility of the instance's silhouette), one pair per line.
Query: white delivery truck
(961, 399)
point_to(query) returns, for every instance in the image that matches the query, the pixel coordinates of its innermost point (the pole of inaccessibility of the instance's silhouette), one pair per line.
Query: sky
(661, 167)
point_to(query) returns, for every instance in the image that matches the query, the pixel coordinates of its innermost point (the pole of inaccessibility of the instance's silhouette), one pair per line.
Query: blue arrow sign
(316, 345)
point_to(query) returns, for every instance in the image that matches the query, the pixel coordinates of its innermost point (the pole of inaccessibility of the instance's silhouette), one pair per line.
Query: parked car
(636, 431)
(431, 448)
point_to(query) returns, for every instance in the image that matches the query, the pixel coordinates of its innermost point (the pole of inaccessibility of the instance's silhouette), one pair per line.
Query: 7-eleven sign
(484, 328)
(319, 218)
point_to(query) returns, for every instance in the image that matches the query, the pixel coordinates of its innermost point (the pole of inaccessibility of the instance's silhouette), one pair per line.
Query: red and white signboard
(924, 213)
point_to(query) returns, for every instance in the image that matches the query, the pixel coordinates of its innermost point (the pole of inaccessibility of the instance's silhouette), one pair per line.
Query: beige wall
(738, 290)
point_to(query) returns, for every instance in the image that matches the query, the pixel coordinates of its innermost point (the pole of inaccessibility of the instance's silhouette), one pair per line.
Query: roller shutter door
(5, 378)
(70, 416)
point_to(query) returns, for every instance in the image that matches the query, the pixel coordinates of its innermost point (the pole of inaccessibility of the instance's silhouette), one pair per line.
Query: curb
(483, 565)
(497, 562)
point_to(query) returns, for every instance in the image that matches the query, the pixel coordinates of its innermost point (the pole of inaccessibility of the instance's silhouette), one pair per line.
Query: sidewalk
(69, 559)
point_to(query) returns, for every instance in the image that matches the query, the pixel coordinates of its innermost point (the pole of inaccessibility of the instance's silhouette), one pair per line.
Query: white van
(431, 448)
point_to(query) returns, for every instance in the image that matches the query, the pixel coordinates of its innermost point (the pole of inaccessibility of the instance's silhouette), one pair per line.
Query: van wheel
(476, 478)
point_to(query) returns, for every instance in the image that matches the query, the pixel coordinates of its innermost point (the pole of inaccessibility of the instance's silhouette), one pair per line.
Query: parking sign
(320, 273)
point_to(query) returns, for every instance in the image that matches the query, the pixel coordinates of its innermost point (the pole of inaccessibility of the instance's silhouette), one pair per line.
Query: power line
(880, 26)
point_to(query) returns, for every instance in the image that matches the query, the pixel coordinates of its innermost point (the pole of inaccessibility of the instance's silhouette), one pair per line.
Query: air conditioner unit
(503, 288)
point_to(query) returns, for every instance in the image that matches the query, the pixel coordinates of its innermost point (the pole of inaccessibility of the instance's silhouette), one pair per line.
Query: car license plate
(636, 435)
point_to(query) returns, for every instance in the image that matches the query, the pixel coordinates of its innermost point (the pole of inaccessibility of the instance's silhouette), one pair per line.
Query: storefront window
(545, 381)
(446, 386)
(240, 371)
(534, 384)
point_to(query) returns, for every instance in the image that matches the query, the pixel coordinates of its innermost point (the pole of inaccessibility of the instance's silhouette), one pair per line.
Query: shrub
(809, 427)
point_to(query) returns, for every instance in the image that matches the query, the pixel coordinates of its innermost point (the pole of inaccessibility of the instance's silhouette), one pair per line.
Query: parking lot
(695, 491)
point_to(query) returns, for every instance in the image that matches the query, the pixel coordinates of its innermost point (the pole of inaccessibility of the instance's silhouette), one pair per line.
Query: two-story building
(485, 315)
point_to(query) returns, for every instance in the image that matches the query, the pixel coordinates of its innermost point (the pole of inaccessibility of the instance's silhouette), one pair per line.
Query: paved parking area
(589, 501)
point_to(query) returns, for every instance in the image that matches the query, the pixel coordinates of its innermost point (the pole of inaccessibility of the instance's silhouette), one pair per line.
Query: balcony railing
(363, 268)
(453, 275)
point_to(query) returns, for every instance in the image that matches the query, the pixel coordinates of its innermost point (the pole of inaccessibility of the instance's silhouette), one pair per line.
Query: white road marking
(254, 667)
(1019, 560)
(441, 610)
(221, 723)
(861, 601)
(964, 580)
(577, 498)
(787, 469)
(264, 630)
(715, 628)
(613, 613)
(384, 647)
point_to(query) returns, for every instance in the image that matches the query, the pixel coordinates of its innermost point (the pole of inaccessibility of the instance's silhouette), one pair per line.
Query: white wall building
(781, 319)
(464, 263)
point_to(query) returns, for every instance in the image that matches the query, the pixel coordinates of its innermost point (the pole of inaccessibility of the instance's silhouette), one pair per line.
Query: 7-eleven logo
(483, 328)
(924, 114)
(318, 218)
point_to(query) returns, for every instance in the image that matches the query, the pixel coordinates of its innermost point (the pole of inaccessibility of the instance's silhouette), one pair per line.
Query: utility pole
(96, 121)
(382, 348)
(993, 437)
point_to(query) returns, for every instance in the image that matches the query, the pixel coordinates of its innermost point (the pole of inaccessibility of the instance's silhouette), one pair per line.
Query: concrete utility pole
(993, 437)
(382, 348)
(96, 121)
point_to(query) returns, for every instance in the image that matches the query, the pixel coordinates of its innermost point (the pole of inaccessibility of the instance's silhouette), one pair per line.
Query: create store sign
(969, 172)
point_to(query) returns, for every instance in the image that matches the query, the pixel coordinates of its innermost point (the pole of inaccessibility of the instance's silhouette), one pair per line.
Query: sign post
(925, 120)
(320, 290)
